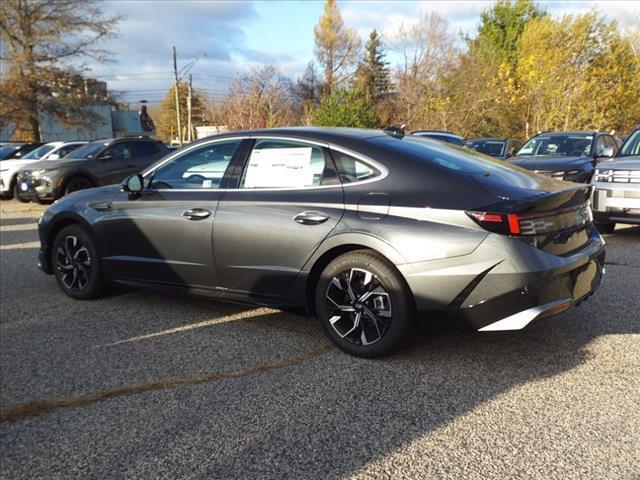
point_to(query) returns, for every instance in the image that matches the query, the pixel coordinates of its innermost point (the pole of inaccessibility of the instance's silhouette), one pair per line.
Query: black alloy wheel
(363, 304)
(76, 265)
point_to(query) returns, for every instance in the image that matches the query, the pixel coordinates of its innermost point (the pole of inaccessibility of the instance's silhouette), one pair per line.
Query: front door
(288, 200)
(165, 235)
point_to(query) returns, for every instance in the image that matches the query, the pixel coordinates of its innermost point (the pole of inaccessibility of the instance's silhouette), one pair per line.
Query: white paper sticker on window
(279, 167)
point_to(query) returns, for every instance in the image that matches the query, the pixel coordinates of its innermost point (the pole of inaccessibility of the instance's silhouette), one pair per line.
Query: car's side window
(352, 169)
(145, 149)
(199, 168)
(285, 164)
(119, 151)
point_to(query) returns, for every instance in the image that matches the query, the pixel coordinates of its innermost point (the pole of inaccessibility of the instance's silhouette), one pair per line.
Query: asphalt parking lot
(148, 385)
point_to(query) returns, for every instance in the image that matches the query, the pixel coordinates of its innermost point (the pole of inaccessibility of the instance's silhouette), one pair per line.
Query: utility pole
(175, 72)
(189, 106)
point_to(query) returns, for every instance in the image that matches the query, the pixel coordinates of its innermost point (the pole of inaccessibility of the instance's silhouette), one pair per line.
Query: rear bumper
(506, 284)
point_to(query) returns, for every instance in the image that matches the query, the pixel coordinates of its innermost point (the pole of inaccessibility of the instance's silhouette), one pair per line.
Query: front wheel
(76, 265)
(364, 304)
(16, 193)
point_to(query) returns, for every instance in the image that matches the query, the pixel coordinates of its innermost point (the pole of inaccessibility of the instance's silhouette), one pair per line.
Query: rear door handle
(310, 218)
(196, 214)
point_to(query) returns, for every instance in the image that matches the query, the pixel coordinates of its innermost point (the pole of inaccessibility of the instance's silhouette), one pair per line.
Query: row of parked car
(600, 158)
(46, 172)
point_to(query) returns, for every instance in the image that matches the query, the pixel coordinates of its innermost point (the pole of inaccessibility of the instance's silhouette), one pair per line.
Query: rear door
(288, 198)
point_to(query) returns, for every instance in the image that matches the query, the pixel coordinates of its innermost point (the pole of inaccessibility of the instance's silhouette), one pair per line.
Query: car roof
(576, 132)
(325, 134)
(487, 139)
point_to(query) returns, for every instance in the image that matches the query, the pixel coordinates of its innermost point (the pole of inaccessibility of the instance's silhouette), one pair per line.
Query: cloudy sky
(229, 38)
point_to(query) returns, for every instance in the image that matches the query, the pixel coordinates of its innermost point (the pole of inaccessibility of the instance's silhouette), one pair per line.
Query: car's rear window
(448, 156)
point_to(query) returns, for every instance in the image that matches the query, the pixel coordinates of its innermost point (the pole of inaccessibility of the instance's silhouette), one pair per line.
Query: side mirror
(607, 152)
(133, 185)
(53, 156)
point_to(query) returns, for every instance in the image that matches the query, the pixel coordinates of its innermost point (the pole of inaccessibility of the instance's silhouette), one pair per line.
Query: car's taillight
(533, 224)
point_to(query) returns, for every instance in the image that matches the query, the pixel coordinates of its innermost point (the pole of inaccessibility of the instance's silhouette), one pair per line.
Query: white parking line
(15, 246)
(18, 228)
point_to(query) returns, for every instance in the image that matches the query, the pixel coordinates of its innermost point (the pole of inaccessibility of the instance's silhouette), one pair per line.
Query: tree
(345, 108)
(167, 124)
(307, 91)
(578, 73)
(374, 78)
(501, 28)
(259, 100)
(44, 42)
(336, 47)
(372, 74)
(427, 53)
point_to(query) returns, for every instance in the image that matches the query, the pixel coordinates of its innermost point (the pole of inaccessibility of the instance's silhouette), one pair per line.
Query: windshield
(558, 145)
(493, 148)
(87, 151)
(631, 146)
(38, 152)
(7, 150)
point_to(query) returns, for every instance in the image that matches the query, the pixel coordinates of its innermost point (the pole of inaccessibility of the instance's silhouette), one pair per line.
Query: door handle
(196, 214)
(101, 206)
(310, 218)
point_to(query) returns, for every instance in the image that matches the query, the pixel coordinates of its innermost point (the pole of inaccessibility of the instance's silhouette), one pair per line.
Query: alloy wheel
(358, 306)
(73, 262)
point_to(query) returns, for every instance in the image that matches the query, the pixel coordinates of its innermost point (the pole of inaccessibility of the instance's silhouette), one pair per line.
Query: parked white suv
(616, 196)
(48, 151)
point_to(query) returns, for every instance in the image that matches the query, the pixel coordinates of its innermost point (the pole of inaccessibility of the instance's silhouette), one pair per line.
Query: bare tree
(427, 51)
(262, 99)
(46, 42)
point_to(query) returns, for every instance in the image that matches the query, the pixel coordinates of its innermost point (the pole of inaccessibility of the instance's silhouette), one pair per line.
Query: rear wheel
(77, 183)
(606, 227)
(364, 304)
(76, 265)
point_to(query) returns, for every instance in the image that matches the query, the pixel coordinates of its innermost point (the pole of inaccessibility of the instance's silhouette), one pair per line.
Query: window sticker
(279, 167)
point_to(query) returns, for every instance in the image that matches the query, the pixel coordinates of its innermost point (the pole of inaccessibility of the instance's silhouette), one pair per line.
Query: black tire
(77, 271)
(606, 227)
(16, 193)
(77, 183)
(389, 301)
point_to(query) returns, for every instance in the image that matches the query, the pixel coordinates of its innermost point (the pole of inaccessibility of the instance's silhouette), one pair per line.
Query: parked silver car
(616, 196)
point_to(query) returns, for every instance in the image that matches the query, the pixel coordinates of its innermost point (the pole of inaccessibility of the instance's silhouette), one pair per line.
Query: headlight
(572, 172)
(558, 174)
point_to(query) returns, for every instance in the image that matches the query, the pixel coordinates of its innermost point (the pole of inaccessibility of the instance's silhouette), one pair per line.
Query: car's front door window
(199, 168)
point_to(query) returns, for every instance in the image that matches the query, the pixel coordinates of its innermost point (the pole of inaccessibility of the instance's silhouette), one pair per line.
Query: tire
(77, 183)
(76, 264)
(16, 193)
(366, 324)
(606, 228)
